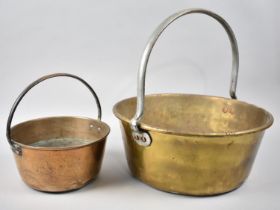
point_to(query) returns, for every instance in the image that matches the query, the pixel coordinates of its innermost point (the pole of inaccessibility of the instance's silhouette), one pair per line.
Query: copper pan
(57, 154)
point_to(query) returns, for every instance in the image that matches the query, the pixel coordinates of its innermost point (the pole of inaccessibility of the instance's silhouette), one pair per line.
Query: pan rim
(103, 138)
(147, 127)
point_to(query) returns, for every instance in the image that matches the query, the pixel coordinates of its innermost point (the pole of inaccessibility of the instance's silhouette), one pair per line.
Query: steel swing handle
(15, 147)
(146, 55)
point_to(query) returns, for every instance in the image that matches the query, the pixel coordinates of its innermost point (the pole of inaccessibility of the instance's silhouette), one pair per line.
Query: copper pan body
(59, 169)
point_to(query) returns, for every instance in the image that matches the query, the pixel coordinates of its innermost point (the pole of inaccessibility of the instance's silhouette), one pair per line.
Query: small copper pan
(58, 154)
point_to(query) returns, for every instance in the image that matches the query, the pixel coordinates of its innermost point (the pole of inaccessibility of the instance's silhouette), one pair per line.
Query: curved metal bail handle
(15, 147)
(151, 43)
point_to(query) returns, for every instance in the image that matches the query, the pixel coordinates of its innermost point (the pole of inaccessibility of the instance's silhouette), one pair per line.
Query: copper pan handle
(15, 147)
(141, 137)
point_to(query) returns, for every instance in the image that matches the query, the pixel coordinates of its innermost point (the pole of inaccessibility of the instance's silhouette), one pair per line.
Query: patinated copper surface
(57, 169)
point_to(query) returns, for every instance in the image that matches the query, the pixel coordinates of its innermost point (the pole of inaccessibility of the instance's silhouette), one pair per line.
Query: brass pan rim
(147, 127)
(103, 138)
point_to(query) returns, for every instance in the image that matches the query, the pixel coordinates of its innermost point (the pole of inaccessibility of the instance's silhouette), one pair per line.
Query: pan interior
(61, 142)
(59, 132)
(195, 114)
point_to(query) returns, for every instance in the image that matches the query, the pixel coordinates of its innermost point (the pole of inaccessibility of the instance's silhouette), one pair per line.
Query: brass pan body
(201, 145)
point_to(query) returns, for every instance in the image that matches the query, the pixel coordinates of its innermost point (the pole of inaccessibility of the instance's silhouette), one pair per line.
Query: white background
(102, 41)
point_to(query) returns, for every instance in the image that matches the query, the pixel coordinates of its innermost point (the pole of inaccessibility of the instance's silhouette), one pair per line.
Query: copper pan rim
(103, 138)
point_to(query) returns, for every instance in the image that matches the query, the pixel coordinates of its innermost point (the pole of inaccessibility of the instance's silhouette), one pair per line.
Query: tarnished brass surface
(201, 145)
(63, 168)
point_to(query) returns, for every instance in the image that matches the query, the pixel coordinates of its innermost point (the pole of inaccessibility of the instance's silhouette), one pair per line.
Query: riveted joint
(142, 138)
(16, 149)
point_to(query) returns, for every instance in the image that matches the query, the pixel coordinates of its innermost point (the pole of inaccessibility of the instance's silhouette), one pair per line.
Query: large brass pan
(57, 154)
(191, 144)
